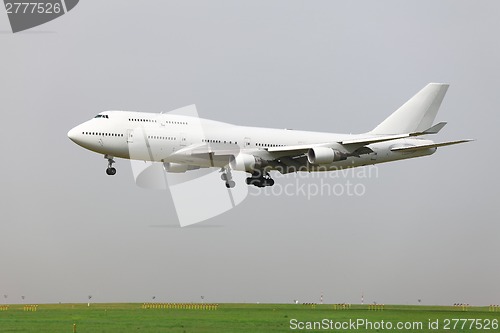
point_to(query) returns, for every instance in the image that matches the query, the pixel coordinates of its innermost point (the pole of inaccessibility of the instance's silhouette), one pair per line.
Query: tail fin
(416, 115)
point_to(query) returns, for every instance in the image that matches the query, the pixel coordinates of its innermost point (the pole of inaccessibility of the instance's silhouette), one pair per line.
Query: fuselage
(164, 137)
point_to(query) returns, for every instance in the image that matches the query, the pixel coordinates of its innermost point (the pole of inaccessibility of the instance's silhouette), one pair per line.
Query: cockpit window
(102, 116)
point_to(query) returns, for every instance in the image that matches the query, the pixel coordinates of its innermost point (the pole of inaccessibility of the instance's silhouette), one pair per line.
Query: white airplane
(184, 143)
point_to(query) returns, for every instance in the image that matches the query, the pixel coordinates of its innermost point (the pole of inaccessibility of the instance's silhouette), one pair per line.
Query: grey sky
(425, 228)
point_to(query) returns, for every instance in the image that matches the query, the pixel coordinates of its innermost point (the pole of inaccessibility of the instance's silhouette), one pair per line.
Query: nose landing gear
(110, 171)
(227, 177)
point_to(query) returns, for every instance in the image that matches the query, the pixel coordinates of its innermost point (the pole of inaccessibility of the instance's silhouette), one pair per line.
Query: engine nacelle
(245, 162)
(324, 156)
(175, 167)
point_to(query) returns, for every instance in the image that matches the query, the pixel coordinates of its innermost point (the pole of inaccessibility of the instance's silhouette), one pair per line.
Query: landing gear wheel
(110, 171)
(254, 181)
(269, 182)
(260, 181)
(227, 177)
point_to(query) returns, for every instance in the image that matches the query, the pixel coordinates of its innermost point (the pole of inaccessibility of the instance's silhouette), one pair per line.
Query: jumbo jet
(183, 143)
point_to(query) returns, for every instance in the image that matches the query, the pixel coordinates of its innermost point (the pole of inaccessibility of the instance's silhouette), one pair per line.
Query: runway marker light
(376, 307)
(462, 306)
(30, 308)
(181, 306)
(312, 305)
(341, 306)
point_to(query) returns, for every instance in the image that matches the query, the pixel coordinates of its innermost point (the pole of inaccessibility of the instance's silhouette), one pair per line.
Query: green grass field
(59, 318)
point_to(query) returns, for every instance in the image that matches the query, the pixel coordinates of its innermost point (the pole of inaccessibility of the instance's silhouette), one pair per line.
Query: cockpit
(102, 116)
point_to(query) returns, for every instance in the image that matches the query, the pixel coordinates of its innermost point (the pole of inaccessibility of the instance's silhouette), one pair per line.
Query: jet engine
(245, 162)
(324, 156)
(178, 167)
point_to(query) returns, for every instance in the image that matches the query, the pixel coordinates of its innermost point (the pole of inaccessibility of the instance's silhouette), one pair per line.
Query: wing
(207, 154)
(433, 145)
(216, 149)
(381, 138)
(296, 155)
(355, 144)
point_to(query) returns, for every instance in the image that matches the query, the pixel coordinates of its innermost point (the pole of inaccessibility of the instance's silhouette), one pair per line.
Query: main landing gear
(110, 171)
(260, 179)
(227, 177)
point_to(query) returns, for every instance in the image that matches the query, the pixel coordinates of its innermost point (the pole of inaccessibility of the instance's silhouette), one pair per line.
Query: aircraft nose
(74, 134)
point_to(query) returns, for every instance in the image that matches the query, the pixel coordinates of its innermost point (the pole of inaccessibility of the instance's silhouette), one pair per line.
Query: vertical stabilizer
(417, 114)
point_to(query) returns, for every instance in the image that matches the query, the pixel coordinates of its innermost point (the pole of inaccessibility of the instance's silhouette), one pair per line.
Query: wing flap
(433, 145)
(374, 139)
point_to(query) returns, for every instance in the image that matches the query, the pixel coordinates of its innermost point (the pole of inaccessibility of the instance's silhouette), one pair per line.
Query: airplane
(183, 143)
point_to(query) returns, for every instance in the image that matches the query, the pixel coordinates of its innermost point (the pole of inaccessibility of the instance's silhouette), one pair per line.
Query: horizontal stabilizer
(433, 145)
(435, 129)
